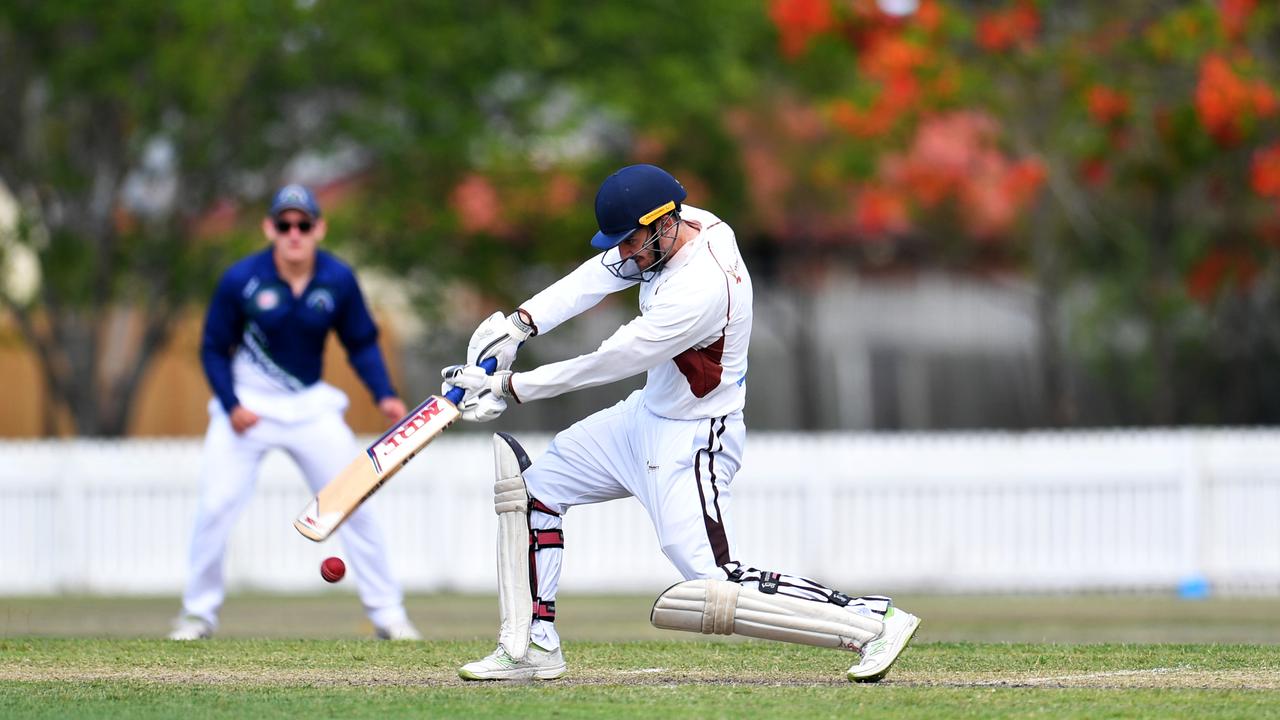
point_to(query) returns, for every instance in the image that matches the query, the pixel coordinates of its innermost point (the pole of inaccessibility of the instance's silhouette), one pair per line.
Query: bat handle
(455, 393)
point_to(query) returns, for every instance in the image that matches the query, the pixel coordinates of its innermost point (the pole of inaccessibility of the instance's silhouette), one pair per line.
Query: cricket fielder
(675, 445)
(262, 351)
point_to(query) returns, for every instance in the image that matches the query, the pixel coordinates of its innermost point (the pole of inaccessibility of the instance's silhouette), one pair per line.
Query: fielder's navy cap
(633, 197)
(294, 197)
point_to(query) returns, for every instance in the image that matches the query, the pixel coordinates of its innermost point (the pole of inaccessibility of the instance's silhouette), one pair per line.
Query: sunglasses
(284, 226)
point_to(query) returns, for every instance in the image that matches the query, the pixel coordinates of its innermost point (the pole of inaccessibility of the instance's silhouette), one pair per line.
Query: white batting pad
(721, 607)
(511, 502)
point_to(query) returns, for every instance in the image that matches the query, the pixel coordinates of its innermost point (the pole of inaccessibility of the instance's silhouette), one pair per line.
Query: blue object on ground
(1193, 587)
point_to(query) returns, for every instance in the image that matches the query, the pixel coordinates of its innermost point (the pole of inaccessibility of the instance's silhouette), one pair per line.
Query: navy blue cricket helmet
(633, 197)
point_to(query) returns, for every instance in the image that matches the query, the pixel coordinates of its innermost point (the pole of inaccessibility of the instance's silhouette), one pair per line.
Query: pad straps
(774, 583)
(542, 539)
(545, 611)
(539, 539)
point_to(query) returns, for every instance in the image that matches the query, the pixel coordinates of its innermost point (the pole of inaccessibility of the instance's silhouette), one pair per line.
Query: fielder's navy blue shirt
(254, 310)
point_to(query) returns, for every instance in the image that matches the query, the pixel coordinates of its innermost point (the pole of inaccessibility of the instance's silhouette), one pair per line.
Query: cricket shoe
(190, 627)
(880, 652)
(538, 664)
(403, 630)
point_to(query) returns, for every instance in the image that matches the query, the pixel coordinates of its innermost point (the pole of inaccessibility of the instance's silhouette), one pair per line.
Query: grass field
(1084, 657)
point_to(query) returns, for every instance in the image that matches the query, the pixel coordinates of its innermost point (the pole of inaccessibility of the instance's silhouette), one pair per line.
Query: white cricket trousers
(321, 446)
(679, 470)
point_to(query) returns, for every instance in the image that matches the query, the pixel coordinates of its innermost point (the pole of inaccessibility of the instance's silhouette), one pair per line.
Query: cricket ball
(332, 569)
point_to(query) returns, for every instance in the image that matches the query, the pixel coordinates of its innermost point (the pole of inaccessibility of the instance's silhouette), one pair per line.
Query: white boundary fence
(1121, 511)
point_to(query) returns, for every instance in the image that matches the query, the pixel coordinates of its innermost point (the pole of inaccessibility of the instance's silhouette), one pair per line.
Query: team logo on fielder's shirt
(267, 299)
(320, 299)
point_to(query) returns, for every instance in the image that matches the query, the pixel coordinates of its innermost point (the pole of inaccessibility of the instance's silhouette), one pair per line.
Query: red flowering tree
(1141, 137)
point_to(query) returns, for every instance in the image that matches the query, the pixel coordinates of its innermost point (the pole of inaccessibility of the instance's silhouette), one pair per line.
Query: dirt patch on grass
(1138, 678)
(256, 677)
(427, 677)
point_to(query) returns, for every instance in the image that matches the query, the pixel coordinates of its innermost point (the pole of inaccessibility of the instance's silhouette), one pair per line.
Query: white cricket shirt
(691, 335)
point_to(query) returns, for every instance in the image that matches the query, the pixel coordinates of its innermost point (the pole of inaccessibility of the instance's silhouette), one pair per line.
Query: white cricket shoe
(538, 664)
(880, 652)
(403, 630)
(190, 627)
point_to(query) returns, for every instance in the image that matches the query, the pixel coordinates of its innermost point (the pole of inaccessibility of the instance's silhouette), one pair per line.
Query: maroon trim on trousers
(715, 528)
(711, 466)
(702, 368)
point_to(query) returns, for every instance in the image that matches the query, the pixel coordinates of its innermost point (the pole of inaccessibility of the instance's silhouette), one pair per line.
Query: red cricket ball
(332, 569)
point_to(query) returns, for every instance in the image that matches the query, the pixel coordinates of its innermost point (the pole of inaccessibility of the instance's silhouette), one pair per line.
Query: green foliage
(483, 129)
(448, 93)
(428, 93)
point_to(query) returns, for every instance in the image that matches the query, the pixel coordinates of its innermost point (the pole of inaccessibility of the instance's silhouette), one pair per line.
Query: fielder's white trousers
(321, 446)
(679, 470)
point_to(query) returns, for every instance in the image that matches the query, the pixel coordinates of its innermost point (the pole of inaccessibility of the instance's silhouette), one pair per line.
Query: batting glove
(479, 403)
(482, 407)
(474, 379)
(500, 337)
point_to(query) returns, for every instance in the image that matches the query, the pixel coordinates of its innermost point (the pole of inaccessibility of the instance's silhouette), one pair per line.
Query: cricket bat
(375, 466)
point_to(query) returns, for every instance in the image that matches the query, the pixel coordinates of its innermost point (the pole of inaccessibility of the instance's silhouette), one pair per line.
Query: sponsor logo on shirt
(267, 299)
(321, 300)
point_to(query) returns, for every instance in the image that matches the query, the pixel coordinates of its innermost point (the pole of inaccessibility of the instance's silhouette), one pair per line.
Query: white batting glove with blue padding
(480, 403)
(500, 336)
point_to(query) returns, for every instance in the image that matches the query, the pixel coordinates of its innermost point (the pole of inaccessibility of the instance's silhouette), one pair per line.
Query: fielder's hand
(242, 418)
(392, 407)
(499, 337)
(480, 403)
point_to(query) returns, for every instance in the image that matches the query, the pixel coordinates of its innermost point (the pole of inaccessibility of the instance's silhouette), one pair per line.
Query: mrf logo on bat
(391, 444)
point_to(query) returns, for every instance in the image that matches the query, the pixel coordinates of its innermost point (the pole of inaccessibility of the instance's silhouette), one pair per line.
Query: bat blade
(375, 466)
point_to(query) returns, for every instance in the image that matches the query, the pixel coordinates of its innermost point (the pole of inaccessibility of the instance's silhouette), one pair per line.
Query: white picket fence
(1121, 511)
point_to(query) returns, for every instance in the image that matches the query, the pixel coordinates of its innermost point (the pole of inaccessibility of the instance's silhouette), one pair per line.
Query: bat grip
(455, 393)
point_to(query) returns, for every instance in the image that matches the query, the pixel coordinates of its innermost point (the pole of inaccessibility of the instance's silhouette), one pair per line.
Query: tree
(1134, 134)
(489, 151)
(127, 124)
(138, 131)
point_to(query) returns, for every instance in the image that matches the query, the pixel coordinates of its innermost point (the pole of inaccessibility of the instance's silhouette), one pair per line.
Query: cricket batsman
(674, 445)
